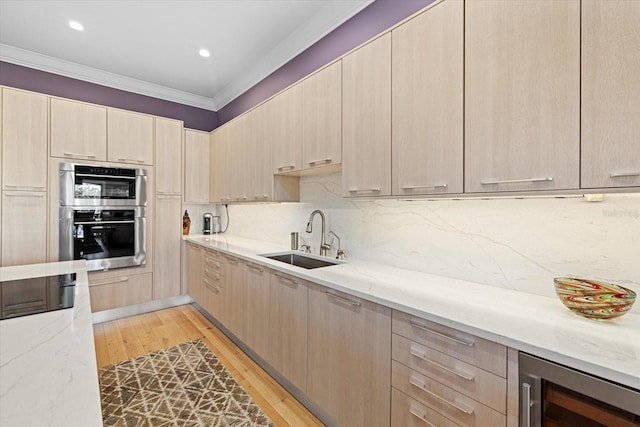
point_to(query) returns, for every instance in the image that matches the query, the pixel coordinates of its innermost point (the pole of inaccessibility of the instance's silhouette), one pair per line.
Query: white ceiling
(151, 47)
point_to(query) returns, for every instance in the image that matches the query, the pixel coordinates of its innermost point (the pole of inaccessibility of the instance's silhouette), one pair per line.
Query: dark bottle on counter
(186, 223)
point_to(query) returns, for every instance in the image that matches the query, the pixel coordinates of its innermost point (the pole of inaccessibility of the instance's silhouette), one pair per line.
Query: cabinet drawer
(482, 353)
(470, 380)
(453, 405)
(406, 411)
(121, 291)
(212, 260)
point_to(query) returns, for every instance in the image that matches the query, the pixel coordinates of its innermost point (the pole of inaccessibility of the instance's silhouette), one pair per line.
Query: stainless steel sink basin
(300, 260)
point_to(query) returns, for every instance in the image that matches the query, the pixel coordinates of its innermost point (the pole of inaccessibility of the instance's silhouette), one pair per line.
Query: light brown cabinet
(522, 95)
(233, 293)
(196, 166)
(366, 120)
(24, 227)
(610, 94)
(106, 294)
(219, 190)
(288, 297)
(78, 130)
(255, 309)
(260, 155)
(195, 272)
(427, 102)
(285, 118)
(129, 137)
(349, 357)
(213, 283)
(168, 209)
(322, 118)
(237, 150)
(25, 120)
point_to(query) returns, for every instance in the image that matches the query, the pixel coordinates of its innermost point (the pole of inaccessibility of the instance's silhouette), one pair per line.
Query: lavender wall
(56, 85)
(371, 21)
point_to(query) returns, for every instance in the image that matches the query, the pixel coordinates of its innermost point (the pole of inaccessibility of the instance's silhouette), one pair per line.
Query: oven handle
(103, 222)
(105, 176)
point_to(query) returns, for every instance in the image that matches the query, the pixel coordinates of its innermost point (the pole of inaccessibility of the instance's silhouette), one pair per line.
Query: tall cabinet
(196, 166)
(168, 208)
(522, 95)
(610, 94)
(24, 177)
(366, 120)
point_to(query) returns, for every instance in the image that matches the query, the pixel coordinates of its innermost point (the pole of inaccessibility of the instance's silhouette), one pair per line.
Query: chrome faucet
(324, 247)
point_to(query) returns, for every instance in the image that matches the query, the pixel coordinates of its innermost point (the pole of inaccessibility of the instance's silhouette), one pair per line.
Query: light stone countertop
(532, 323)
(48, 371)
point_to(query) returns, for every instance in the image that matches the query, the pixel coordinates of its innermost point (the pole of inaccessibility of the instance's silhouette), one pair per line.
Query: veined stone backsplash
(513, 243)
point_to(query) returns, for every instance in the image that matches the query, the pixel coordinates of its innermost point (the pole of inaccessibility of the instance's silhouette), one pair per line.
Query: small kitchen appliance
(207, 223)
(215, 225)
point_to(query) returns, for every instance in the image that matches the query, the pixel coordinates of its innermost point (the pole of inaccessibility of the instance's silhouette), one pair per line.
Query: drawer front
(407, 412)
(470, 380)
(212, 260)
(482, 353)
(120, 291)
(444, 400)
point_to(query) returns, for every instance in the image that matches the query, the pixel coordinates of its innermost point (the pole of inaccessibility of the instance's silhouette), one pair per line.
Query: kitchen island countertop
(528, 322)
(48, 370)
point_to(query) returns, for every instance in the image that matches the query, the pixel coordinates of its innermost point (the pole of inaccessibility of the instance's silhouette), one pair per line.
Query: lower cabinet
(255, 313)
(213, 283)
(166, 246)
(349, 357)
(288, 297)
(233, 291)
(120, 291)
(195, 273)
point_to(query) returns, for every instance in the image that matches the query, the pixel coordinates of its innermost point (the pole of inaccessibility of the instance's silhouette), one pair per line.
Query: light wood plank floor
(123, 339)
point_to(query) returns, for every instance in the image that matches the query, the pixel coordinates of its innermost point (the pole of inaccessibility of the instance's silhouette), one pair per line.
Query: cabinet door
(234, 292)
(285, 118)
(260, 160)
(130, 137)
(610, 94)
(427, 120)
(194, 273)
(366, 120)
(349, 357)
(166, 246)
(219, 190)
(78, 131)
(122, 291)
(288, 327)
(239, 134)
(255, 324)
(24, 227)
(522, 95)
(322, 118)
(24, 137)
(168, 161)
(196, 166)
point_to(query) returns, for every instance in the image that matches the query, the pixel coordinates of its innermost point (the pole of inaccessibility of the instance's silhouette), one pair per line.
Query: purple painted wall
(56, 85)
(373, 20)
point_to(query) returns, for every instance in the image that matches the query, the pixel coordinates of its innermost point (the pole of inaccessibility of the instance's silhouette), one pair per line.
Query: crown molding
(73, 70)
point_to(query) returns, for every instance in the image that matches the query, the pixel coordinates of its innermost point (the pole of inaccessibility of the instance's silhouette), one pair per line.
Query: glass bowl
(594, 299)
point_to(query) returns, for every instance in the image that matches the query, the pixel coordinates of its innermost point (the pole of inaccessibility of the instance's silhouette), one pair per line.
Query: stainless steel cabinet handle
(231, 260)
(215, 289)
(107, 282)
(241, 198)
(21, 187)
(422, 356)
(525, 411)
(286, 279)
(517, 181)
(263, 197)
(286, 168)
(88, 156)
(168, 193)
(619, 175)
(216, 277)
(417, 187)
(124, 159)
(343, 299)
(36, 195)
(365, 190)
(420, 416)
(440, 334)
(255, 268)
(320, 162)
(457, 406)
(212, 263)
(168, 196)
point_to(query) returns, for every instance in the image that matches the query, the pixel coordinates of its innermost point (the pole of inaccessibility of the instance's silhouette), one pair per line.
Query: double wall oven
(102, 215)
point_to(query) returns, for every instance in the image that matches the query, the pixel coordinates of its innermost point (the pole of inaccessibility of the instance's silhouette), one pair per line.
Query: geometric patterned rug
(184, 385)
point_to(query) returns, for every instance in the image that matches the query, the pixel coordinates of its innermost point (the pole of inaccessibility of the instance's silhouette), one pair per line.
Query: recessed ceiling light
(204, 53)
(76, 25)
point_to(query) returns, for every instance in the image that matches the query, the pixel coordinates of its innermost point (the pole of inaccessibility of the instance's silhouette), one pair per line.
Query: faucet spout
(324, 247)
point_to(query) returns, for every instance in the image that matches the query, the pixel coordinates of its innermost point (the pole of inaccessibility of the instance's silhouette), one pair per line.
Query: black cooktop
(36, 295)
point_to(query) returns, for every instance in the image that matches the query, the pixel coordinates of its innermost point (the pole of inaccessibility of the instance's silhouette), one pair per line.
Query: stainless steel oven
(555, 395)
(102, 215)
(96, 185)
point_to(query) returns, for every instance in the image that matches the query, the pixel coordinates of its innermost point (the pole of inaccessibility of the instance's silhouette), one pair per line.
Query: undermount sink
(301, 260)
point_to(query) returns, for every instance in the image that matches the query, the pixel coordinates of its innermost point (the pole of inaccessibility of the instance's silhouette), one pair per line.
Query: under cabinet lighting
(76, 25)
(204, 53)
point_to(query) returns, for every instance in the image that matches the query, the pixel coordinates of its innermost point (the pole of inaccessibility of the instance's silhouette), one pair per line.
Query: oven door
(107, 238)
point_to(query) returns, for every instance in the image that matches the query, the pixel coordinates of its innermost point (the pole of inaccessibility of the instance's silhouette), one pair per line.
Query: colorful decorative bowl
(594, 299)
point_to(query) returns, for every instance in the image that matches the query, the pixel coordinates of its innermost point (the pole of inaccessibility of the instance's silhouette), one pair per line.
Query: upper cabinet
(322, 118)
(196, 166)
(130, 137)
(259, 156)
(168, 160)
(366, 120)
(522, 95)
(610, 94)
(218, 188)
(78, 130)
(239, 134)
(285, 127)
(427, 102)
(24, 136)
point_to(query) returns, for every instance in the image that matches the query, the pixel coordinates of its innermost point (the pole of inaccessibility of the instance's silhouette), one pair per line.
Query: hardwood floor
(129, 337)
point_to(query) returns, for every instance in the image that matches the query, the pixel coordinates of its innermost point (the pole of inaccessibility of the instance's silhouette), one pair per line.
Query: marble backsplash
(508, 242)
